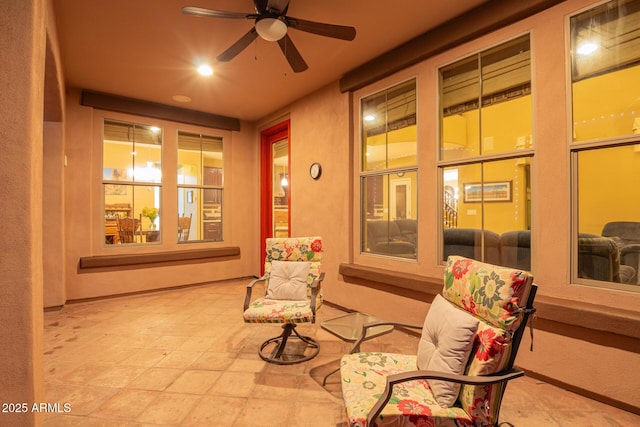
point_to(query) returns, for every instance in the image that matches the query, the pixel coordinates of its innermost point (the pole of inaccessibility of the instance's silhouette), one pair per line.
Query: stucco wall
(22, 45)
(600, 363)
(83, 207)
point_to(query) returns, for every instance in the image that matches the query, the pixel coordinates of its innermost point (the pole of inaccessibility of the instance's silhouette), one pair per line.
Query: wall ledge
(551, 310)
(145, 260)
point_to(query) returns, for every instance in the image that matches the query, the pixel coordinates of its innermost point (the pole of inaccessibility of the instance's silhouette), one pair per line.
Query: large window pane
(605, 53)
(486, 120)
(482, 93)
(389, 128)
(200, 187)
(389, 185)
(390, 225)
(131, 163)
(608, 214)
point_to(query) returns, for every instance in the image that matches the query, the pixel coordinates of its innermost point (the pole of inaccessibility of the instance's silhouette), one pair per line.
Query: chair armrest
(314, 294)
(630, 248)
(356, 345)
(247, 298)
(426, 375)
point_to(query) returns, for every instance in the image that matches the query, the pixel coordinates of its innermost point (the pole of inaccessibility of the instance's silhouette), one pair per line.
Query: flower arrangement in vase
(152, 214)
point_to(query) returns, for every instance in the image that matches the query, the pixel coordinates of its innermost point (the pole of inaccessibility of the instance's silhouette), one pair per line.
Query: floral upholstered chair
(292, 295)
(469, 342)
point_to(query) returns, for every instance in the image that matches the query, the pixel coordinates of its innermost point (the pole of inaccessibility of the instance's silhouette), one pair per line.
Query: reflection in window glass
(486, 212)
(389, 180)
(486, 110)
(608, 216)
(605, 58)
(389, 203)
(200, 187)
(482, 93)
(389, 128)
(131, 178)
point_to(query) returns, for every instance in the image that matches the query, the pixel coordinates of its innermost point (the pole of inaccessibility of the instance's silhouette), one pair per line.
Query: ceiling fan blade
(292, 54)
(341, 32)
(238, 46)
(198, 11)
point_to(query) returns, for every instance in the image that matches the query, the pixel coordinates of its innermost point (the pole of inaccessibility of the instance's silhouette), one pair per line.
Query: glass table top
(349, 326)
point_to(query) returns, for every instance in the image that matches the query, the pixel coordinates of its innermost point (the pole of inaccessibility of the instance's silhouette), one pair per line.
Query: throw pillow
(447, 338)
(288, 280)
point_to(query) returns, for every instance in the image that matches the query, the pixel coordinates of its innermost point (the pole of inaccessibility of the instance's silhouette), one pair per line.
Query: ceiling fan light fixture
(271, 29)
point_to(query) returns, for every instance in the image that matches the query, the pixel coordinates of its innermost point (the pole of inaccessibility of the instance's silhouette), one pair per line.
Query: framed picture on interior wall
(114, 174)
(190, 196)
(496, 191)
(115, 190)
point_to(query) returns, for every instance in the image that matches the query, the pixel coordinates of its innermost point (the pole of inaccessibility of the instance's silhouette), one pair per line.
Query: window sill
(149, 259)
(550, 312)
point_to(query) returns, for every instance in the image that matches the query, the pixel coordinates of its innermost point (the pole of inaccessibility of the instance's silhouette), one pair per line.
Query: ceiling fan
(272, 23)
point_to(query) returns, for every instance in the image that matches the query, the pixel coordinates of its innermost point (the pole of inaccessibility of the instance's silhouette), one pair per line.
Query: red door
(275, 196)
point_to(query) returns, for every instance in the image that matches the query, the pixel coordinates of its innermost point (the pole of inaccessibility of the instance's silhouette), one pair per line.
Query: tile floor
(185, 358)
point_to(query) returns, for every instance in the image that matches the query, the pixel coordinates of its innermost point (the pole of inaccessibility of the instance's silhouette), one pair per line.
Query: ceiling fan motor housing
(271, 29)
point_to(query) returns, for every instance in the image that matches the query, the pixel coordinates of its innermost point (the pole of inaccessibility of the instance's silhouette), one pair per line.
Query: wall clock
(315, 170)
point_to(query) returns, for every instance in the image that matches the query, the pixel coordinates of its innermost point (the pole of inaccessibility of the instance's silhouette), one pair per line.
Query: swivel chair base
(278, 355)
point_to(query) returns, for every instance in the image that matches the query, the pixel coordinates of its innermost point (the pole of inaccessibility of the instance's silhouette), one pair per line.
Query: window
(388, 174)
(605, 151)
(200, 187)
(486, 145)
(131, 182)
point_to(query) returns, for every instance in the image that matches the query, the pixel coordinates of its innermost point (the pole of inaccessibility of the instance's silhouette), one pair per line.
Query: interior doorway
(275, 182)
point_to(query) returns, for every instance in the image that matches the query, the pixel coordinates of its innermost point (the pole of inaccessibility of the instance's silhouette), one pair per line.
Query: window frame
(480, 159)
(575, 147)
(160, 185)
(363, 174)
(201, 187)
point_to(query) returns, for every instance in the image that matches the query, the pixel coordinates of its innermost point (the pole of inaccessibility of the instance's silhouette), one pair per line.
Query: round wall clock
(315, 170)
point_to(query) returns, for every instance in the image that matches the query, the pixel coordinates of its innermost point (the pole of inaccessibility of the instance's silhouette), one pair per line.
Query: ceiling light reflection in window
(587, 48)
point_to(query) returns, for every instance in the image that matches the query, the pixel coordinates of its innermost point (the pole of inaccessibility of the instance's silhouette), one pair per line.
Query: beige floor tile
(82, 374)
(117, 376)
(169, 408)
(277, 387)
(216, 411)
(179, 359)
(266, 413)
(316, 414)
(86, 399)
(168, 342)
(155, 379)
(214, 361)
(194, 382)
(196, 343)
(127, 404)
(145, 357)
(234, 384)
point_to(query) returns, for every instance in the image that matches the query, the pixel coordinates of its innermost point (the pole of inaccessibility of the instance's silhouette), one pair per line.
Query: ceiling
(148, 49)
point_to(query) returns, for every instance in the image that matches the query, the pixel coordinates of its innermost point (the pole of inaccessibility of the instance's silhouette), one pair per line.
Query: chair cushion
(288, 280)
(264, 310)
(447, 337)
(364, 379)
(489, 292)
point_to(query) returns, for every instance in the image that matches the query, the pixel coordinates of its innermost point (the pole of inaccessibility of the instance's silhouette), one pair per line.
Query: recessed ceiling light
(205, 70)
(181, 98)
(369, 118)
